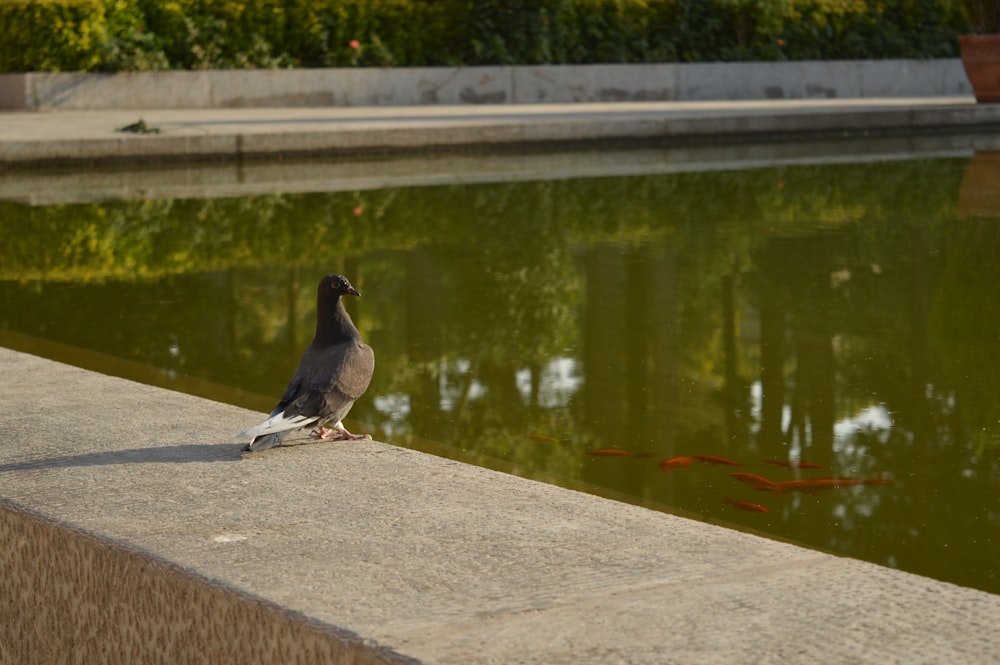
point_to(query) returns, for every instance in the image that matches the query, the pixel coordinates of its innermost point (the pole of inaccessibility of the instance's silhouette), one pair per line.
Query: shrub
(112, 35)
(51, 34)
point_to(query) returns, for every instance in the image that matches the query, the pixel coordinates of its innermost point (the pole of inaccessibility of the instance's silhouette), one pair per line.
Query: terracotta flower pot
(981, 59)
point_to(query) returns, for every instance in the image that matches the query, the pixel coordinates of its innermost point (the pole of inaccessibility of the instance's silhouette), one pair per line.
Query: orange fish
(754, 479)
(746, 505)
(794, 465)
(816, 484)
(812, 484)
(712, 459)
(540, 437)
(675, 463)
(609, 452)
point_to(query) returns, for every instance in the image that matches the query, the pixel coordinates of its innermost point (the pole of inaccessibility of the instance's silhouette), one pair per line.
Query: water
(842, 314)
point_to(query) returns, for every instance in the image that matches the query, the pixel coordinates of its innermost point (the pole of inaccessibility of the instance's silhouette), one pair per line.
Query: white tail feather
(278, 423)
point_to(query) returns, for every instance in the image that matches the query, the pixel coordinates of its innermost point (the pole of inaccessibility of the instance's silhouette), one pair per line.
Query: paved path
(136, 531)
(65, 138)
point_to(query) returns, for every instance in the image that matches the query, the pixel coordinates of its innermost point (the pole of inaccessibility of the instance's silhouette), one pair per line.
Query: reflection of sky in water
(875, 422)
(871, 419)
(560, 380)
(395, 409)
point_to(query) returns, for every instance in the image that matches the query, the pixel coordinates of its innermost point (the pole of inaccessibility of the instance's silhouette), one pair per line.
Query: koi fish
(675, 463)
(794, 465)
(878, 481)
(809, 485)
(712, 459)
(817, 484)
(746, 505)
(754, 479)
(608, 452)
(539, 437)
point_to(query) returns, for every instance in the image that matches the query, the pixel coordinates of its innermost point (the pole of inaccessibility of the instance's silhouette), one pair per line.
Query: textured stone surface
(45, 91)
(137, 521)
(70, 137)
(71, 597)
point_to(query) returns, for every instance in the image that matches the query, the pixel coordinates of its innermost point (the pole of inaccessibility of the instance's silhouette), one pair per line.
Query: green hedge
(114, 35)
(51, 34)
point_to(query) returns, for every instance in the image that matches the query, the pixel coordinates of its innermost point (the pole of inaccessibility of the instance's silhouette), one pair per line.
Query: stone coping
(192, 135)
(254, 178)
(136, 531)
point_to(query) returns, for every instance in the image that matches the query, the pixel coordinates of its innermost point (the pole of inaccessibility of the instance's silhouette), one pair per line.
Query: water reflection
(841, 315)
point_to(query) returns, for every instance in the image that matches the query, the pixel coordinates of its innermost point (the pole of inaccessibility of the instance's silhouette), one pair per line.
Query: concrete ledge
(28, 139)
(251, 178)
(153, 539)
(41, 91)
(116, 604)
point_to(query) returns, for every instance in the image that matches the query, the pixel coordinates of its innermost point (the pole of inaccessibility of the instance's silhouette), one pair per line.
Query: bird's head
(336, 285)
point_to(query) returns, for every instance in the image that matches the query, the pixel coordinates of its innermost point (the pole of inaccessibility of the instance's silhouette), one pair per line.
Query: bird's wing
(297, 408)
(307, 408)
(324, 387)
(280, 422)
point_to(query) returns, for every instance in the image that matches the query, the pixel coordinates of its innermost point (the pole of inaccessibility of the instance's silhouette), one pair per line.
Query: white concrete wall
(39, 91)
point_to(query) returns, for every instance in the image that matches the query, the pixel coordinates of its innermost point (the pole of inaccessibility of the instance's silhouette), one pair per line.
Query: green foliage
(51, 35)
(983, 15)
(115, 35)
(844, 29)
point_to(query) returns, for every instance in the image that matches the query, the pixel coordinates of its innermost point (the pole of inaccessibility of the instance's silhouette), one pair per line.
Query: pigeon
(334, 372)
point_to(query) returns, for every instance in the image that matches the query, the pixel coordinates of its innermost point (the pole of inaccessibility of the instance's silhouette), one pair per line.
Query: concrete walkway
(135, 531)
(88, 137)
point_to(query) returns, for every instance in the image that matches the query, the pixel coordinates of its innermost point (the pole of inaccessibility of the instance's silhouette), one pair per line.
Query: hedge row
(115, 35)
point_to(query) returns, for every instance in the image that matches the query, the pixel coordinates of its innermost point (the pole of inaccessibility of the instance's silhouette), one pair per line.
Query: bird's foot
(339, 434)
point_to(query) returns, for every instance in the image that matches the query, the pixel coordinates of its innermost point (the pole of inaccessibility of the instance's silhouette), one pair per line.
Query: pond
(808, 321)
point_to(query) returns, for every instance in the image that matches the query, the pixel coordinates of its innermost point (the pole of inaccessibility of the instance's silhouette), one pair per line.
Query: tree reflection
(838, 314)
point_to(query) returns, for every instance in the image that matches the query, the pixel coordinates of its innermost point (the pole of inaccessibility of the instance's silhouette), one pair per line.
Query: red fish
(712, 459)
(608, 452)
(675, 463)
(754, 479)
(746, 505)
(540, 437)
(794, 465)
(812, 484)
(817, 484)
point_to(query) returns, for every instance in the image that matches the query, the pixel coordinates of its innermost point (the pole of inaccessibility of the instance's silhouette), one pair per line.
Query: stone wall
(40, 91)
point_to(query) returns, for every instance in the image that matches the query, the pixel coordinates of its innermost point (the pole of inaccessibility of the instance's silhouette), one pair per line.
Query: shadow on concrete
(189, 452)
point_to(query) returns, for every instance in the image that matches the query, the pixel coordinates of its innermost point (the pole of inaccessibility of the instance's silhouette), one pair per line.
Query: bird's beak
(351, 291)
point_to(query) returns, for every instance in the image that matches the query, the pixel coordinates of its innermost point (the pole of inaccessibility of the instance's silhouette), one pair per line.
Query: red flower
(354, 44)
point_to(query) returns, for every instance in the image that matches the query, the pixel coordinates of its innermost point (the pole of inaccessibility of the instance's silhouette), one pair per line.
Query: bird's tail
(266, 441)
